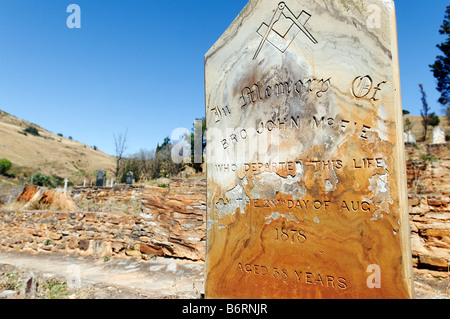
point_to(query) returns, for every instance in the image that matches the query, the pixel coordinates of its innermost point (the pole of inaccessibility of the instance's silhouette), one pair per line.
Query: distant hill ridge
(47, 153)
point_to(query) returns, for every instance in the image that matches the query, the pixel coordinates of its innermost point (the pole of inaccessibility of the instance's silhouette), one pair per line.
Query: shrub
(5, 165)
(434, 120)
(48, 181)
(42, 180)
(408, 125)
(428, 158)
(31, 130)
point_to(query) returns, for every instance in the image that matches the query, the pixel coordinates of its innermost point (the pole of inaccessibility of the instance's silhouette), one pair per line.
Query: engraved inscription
(306, 205)
(296, 123)
(220, 112)
(363, 85)
(257, 92)
(289, 167)
(321, 280)
(293, 236)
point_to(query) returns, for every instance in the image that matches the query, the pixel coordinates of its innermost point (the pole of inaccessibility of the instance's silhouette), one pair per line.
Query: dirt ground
(53, 276)
(97, 278)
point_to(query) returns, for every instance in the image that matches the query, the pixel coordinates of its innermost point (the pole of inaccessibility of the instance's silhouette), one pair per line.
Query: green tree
(433, 120)
(48, 181)
(32, 130)
(441, 67)
(131, 166)
(408, 125)
(42, 180)
(5, 165)
(163, 154)
(165, 143)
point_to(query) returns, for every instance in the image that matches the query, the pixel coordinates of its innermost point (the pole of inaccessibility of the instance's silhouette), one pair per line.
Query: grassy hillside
(47, 153)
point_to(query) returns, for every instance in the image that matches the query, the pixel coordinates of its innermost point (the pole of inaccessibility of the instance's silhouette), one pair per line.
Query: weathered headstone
(438, 135)
(101, 176)
(409, 137)
(129, 179)
(66, 181)
(306, 192)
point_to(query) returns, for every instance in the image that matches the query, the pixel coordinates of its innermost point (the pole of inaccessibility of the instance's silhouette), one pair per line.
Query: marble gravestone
(409, 137)
(306, 177)
(438, 135)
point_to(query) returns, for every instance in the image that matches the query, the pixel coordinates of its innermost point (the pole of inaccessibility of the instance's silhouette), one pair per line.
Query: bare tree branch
(121, 145)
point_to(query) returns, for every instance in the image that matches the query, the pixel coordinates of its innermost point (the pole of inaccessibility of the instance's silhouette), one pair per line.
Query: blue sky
(139, 64)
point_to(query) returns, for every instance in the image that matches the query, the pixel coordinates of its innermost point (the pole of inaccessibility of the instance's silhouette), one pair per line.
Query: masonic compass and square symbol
(283, 29)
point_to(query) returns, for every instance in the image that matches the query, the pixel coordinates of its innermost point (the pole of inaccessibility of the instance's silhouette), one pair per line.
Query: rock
(83, 244)
(414, 201)
(46, 247)
(151, 250)
(435, 202)
(36, 196)
(8, 294)
(133, 253)
(98, 247)
(172, 267)
(145, 239)
(55, 236)
(117, 246)
(439, 263)
(30, 287)
(174, 219)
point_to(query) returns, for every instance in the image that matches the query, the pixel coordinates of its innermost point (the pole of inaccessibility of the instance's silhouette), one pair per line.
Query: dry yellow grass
(48, 153)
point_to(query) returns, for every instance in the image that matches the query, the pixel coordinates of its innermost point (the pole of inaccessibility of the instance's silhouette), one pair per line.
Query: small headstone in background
(129, 179)
(438, 135)
(65, 184)
(409, 137)
(101, 175)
